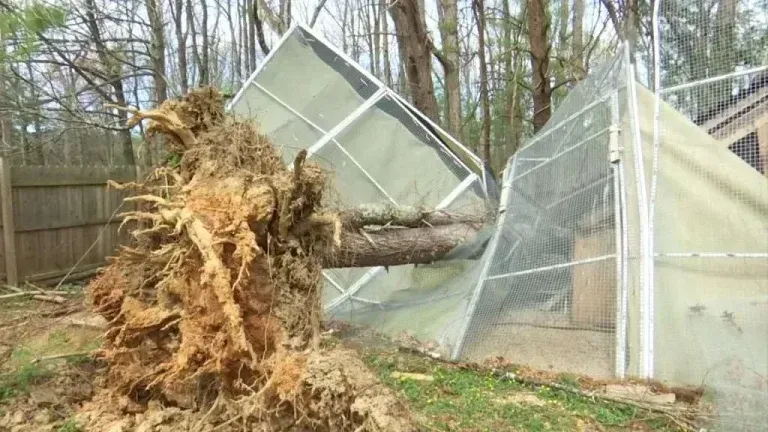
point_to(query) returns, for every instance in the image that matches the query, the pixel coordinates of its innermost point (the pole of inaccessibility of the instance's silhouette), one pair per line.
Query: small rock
(412, 376)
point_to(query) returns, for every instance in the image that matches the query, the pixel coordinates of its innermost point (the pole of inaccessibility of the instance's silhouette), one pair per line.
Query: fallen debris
(639, 393)
(412, 376)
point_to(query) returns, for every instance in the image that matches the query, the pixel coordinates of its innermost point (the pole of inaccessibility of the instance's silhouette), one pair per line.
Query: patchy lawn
(453, 398)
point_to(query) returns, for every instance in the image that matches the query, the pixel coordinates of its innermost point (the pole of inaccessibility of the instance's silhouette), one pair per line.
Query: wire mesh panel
(287, 129)
(709, 204)
(711, 243)
(548, 298)
(313, 80)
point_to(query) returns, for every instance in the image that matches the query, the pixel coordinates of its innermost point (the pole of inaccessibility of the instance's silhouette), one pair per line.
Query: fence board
(64, 216)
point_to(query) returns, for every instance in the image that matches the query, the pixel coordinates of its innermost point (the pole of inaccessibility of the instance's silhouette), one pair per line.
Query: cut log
(390, 247)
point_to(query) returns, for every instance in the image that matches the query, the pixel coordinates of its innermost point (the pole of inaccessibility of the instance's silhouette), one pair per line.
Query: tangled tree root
(219, 297)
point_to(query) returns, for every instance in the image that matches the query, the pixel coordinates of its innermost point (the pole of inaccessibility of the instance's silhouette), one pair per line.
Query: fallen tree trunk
(390, 247)
(387, 235)
(411, 217)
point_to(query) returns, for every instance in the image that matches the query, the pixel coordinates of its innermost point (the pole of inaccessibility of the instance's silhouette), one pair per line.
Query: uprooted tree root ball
(216, 307)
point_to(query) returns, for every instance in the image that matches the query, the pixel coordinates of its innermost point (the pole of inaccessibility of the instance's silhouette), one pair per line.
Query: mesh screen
(548, 298)
(381, 137)
(318, 84)
(709, 204)
(287, 130)
(711, 243)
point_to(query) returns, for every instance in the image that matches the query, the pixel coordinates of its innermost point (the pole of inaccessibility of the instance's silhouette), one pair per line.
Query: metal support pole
(615, 160)
(646, 257)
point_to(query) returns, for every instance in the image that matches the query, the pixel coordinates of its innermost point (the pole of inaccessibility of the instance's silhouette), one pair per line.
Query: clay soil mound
(215, 310)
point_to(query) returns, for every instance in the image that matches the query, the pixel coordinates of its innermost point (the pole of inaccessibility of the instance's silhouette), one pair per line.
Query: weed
(70, 426)
(18, 381)
(58, 338)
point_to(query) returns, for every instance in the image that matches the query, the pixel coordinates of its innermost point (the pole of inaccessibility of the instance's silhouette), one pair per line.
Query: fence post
(9, 227)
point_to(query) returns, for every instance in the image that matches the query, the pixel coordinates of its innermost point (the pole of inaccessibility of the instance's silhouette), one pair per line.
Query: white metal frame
(714, 79)
(646, 255)
(553, 267)
(621, 293)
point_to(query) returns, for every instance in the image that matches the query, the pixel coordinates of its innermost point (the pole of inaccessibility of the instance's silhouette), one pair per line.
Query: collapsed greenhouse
(622, 247)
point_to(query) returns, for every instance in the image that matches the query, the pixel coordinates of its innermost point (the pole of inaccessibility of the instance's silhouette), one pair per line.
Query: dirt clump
(215, 309)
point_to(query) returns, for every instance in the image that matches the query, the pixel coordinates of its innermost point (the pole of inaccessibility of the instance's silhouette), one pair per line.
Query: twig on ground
(61, 356)
(50, 298)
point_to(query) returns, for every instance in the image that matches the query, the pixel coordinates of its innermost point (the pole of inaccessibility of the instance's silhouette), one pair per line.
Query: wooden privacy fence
(59, 220)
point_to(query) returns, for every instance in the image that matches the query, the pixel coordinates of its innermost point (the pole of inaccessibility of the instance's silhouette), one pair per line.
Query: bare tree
(177, 12)
(449, 58)
(577, 38)
(385, 42)
(479, 10)
(157, 48)
(540, 46)
(415, 54)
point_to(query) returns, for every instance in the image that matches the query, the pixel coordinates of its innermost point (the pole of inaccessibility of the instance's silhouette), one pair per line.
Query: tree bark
(385, 42)
(479, 10)
(157, 49)
(399, 246)
(577, 39)
(402, 216)
(112, 71)
(181, 40)
(449, 33)
(416, 52)
(540, 45)
(385, 235)
(205, 67)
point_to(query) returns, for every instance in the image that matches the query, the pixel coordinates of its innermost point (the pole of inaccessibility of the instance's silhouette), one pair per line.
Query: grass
(18, 382)
(467, 400)
(70, 426)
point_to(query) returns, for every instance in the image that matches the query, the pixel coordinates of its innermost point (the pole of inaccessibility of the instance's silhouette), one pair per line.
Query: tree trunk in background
(724, 49)
(449, 33)
(479, 10)
(577, 39)
(254, 23)
(385, 42)
(376, 38)
(112, 71)
(192, 28)
(234, 52)
(538, 38)
(416, 51)
(205, 67)
(177, 12)
(630, 27)
(258, 26)
(157, 49)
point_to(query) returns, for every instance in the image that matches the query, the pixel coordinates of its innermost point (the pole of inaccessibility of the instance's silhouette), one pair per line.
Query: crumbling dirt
(215, 310)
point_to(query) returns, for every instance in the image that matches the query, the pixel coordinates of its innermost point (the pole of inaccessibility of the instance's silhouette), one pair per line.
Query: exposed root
(219, 299)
